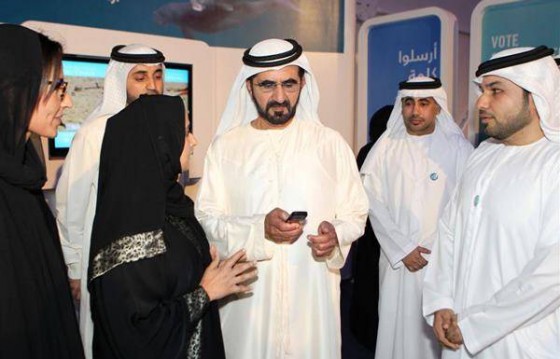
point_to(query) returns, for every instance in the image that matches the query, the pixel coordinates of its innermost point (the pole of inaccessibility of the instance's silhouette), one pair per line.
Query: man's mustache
(484, 113)
(278, 104)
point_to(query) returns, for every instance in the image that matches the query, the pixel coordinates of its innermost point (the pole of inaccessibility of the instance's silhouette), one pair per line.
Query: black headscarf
(138, 171)
(20, 81)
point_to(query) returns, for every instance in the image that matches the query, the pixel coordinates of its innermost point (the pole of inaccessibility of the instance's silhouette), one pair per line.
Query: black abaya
(150, 308)
(148, 251)
(37, 318)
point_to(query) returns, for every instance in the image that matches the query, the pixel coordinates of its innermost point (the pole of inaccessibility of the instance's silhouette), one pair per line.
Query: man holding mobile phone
(271, 156)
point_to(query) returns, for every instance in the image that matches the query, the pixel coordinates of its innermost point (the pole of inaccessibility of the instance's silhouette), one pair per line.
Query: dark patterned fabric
(197, 303)
(128, 249)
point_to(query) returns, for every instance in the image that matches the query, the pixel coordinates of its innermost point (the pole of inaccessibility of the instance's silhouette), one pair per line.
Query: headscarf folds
(123, 59)
(537, 74)
(413, 88)
(446, 128)
(240, 108)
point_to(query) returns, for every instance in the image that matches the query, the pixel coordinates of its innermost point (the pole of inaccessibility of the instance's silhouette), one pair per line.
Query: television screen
(178, 82)
(85, 76)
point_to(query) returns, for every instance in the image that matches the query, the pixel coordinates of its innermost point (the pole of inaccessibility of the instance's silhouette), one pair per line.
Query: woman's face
(47, 115)
(190, 143)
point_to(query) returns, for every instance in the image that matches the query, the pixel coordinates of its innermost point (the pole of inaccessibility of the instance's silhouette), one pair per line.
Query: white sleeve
(228, 233)
(72, 200)
(395, 244)
(437, 291)
(526, 299)
(351, 205)
(466, 149)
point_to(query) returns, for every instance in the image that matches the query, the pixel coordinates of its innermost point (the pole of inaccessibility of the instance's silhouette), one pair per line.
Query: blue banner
(517, 24)
(399, 51)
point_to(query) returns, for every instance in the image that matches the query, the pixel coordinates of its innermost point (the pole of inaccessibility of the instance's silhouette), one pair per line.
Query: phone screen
(297, 216)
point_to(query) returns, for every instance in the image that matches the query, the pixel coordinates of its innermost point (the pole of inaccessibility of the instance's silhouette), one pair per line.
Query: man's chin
(278, 121)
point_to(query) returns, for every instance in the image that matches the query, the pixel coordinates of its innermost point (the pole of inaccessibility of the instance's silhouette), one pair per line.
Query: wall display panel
(86, 75)
(191, 59)
(318, 24)
(214, 69)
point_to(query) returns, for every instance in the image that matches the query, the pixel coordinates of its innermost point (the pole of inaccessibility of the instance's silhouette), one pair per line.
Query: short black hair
(52, 63)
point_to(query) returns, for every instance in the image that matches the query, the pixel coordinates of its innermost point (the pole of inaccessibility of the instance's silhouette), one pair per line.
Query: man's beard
(504, 130)
(277, 117)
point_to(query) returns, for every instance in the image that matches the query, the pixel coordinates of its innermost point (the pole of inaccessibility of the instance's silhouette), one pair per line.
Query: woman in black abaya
(37, 317)
(153, 279)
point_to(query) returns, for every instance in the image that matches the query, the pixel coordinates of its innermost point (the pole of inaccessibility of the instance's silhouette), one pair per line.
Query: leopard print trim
(128, 249)
(197, 303)
(194, 348)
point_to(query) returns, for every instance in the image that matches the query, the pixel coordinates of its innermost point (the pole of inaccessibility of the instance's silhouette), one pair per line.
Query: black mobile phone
(297, 216)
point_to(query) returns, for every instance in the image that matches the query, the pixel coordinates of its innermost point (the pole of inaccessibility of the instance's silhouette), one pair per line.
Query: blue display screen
(85, 76)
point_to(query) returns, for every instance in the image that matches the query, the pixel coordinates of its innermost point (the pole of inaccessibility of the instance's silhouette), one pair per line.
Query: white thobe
(293, 310)
(408, 180)
(496, 261)
(76, 197)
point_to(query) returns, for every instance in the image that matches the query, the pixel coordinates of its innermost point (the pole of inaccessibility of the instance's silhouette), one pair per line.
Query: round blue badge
(434, 176)
(476, 200)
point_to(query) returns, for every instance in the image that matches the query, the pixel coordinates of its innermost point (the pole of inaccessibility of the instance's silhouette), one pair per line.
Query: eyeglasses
(61, 86)
(289, 86)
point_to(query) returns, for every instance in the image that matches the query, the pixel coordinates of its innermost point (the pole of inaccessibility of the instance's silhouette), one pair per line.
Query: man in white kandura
(272, 156)
(492, 289)
(409, 176)
(133, 70)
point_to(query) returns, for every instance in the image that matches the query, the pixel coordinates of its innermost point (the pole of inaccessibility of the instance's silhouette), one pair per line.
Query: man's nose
(416, 109)
(279, 94)
(482, 101)
(151, 84)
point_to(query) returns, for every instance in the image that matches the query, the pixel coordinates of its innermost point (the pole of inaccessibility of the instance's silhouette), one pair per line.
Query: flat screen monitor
(85, 76)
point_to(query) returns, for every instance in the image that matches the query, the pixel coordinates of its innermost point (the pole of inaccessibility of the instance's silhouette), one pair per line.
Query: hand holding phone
(297, 216)
(280, 227)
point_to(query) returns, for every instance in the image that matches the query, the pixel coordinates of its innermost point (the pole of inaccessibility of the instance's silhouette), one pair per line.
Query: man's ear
(532, 106)
(438, 107)
(249, 87)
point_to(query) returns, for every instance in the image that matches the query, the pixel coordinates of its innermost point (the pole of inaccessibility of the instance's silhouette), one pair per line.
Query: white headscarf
(114, 87)
(542, 79)
(447, 131)
(240, 108)
(445, 121)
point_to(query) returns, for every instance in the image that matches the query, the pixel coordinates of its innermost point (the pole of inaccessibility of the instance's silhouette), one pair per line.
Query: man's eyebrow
(493, 83)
